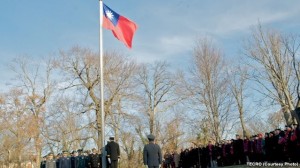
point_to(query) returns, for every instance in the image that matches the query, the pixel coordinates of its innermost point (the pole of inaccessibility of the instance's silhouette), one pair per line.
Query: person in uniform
(152, 153)
(57, 158)
(81, 159)
(74, 159)
(50, 162)
(43, 162)
(87, 158)
(95, 160)
(65, 161)
(113, 153)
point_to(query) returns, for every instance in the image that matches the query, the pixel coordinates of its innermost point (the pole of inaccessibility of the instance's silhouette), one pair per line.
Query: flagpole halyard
(102, 85)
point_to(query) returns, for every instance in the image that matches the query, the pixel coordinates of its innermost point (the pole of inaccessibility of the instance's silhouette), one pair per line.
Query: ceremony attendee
(113, 153)
(65, 161)
(176, 159)
(58, 156)
(50, 162)
(81, 159)
(238, 150)
(95, 160)
(43, 162)
(211, 154)
(167, 160)
(259, 148)
(74, 159)
(152, 154)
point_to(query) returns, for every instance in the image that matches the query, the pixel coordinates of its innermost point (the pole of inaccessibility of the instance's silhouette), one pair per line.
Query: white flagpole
(101, 85)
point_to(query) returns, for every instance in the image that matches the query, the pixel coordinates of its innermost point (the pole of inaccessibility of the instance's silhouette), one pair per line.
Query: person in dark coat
(58, 156)
(211, 154)
(238, 150)
(297, 142)
(74, 159)
(94, 159)
(294, 139)
(259, 148)
(272, 146)
(81, 159)
(87, 158)
(167, 160)
(50, 162)
(152, 153)
(113, 153)
(65, 161)
(43, 162)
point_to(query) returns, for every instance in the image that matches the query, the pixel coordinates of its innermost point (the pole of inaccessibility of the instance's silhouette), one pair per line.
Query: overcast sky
(167, 29)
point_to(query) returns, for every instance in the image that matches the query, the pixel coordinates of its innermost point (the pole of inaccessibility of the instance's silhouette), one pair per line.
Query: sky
(167, 29)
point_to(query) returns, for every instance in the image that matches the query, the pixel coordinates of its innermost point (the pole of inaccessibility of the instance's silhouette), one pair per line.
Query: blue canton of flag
(111, 15)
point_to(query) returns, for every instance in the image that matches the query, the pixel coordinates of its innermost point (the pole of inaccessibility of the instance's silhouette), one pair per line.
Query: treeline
(54, 105)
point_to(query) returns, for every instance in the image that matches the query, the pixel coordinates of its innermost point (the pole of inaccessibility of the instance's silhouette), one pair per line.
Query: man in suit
(113, 153)
(152, 154)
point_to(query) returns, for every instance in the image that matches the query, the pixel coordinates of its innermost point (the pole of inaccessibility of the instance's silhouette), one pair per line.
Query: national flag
(122, 28)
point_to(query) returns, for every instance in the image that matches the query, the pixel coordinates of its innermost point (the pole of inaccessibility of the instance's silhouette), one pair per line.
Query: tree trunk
(245, 133)
(216, 127)
(99, 128)
(151, 122)
(296, 112)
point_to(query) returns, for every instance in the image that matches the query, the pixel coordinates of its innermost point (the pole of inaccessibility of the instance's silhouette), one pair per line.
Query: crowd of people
(277, 146)
(83, 159)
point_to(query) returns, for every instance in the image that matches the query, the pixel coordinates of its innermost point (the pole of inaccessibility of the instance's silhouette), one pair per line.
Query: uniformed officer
(43, 162)
(113, 153)
(152, 154)
(50, 162)
(95, 161)
(74, 159)
(65, 161)
(81, 159)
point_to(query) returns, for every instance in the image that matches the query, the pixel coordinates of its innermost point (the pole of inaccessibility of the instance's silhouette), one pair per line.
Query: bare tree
(239, 77)
(207, 89)
(66, 128)
(272, 68)
(80, 67)
(15, 126)
(171, 134)
(155, 91)
(292, 44)
(275, 119)
(35, 80)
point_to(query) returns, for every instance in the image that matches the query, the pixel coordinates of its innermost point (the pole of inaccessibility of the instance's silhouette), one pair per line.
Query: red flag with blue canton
(122, 28)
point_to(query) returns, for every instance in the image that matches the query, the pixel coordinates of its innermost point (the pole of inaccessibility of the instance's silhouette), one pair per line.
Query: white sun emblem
(109, 14)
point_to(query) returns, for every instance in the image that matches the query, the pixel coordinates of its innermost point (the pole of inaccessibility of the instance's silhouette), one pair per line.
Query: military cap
(150, 137)
(50, 154)
(74, 151)
(65, 152)
(111, 138)
(79, 150)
